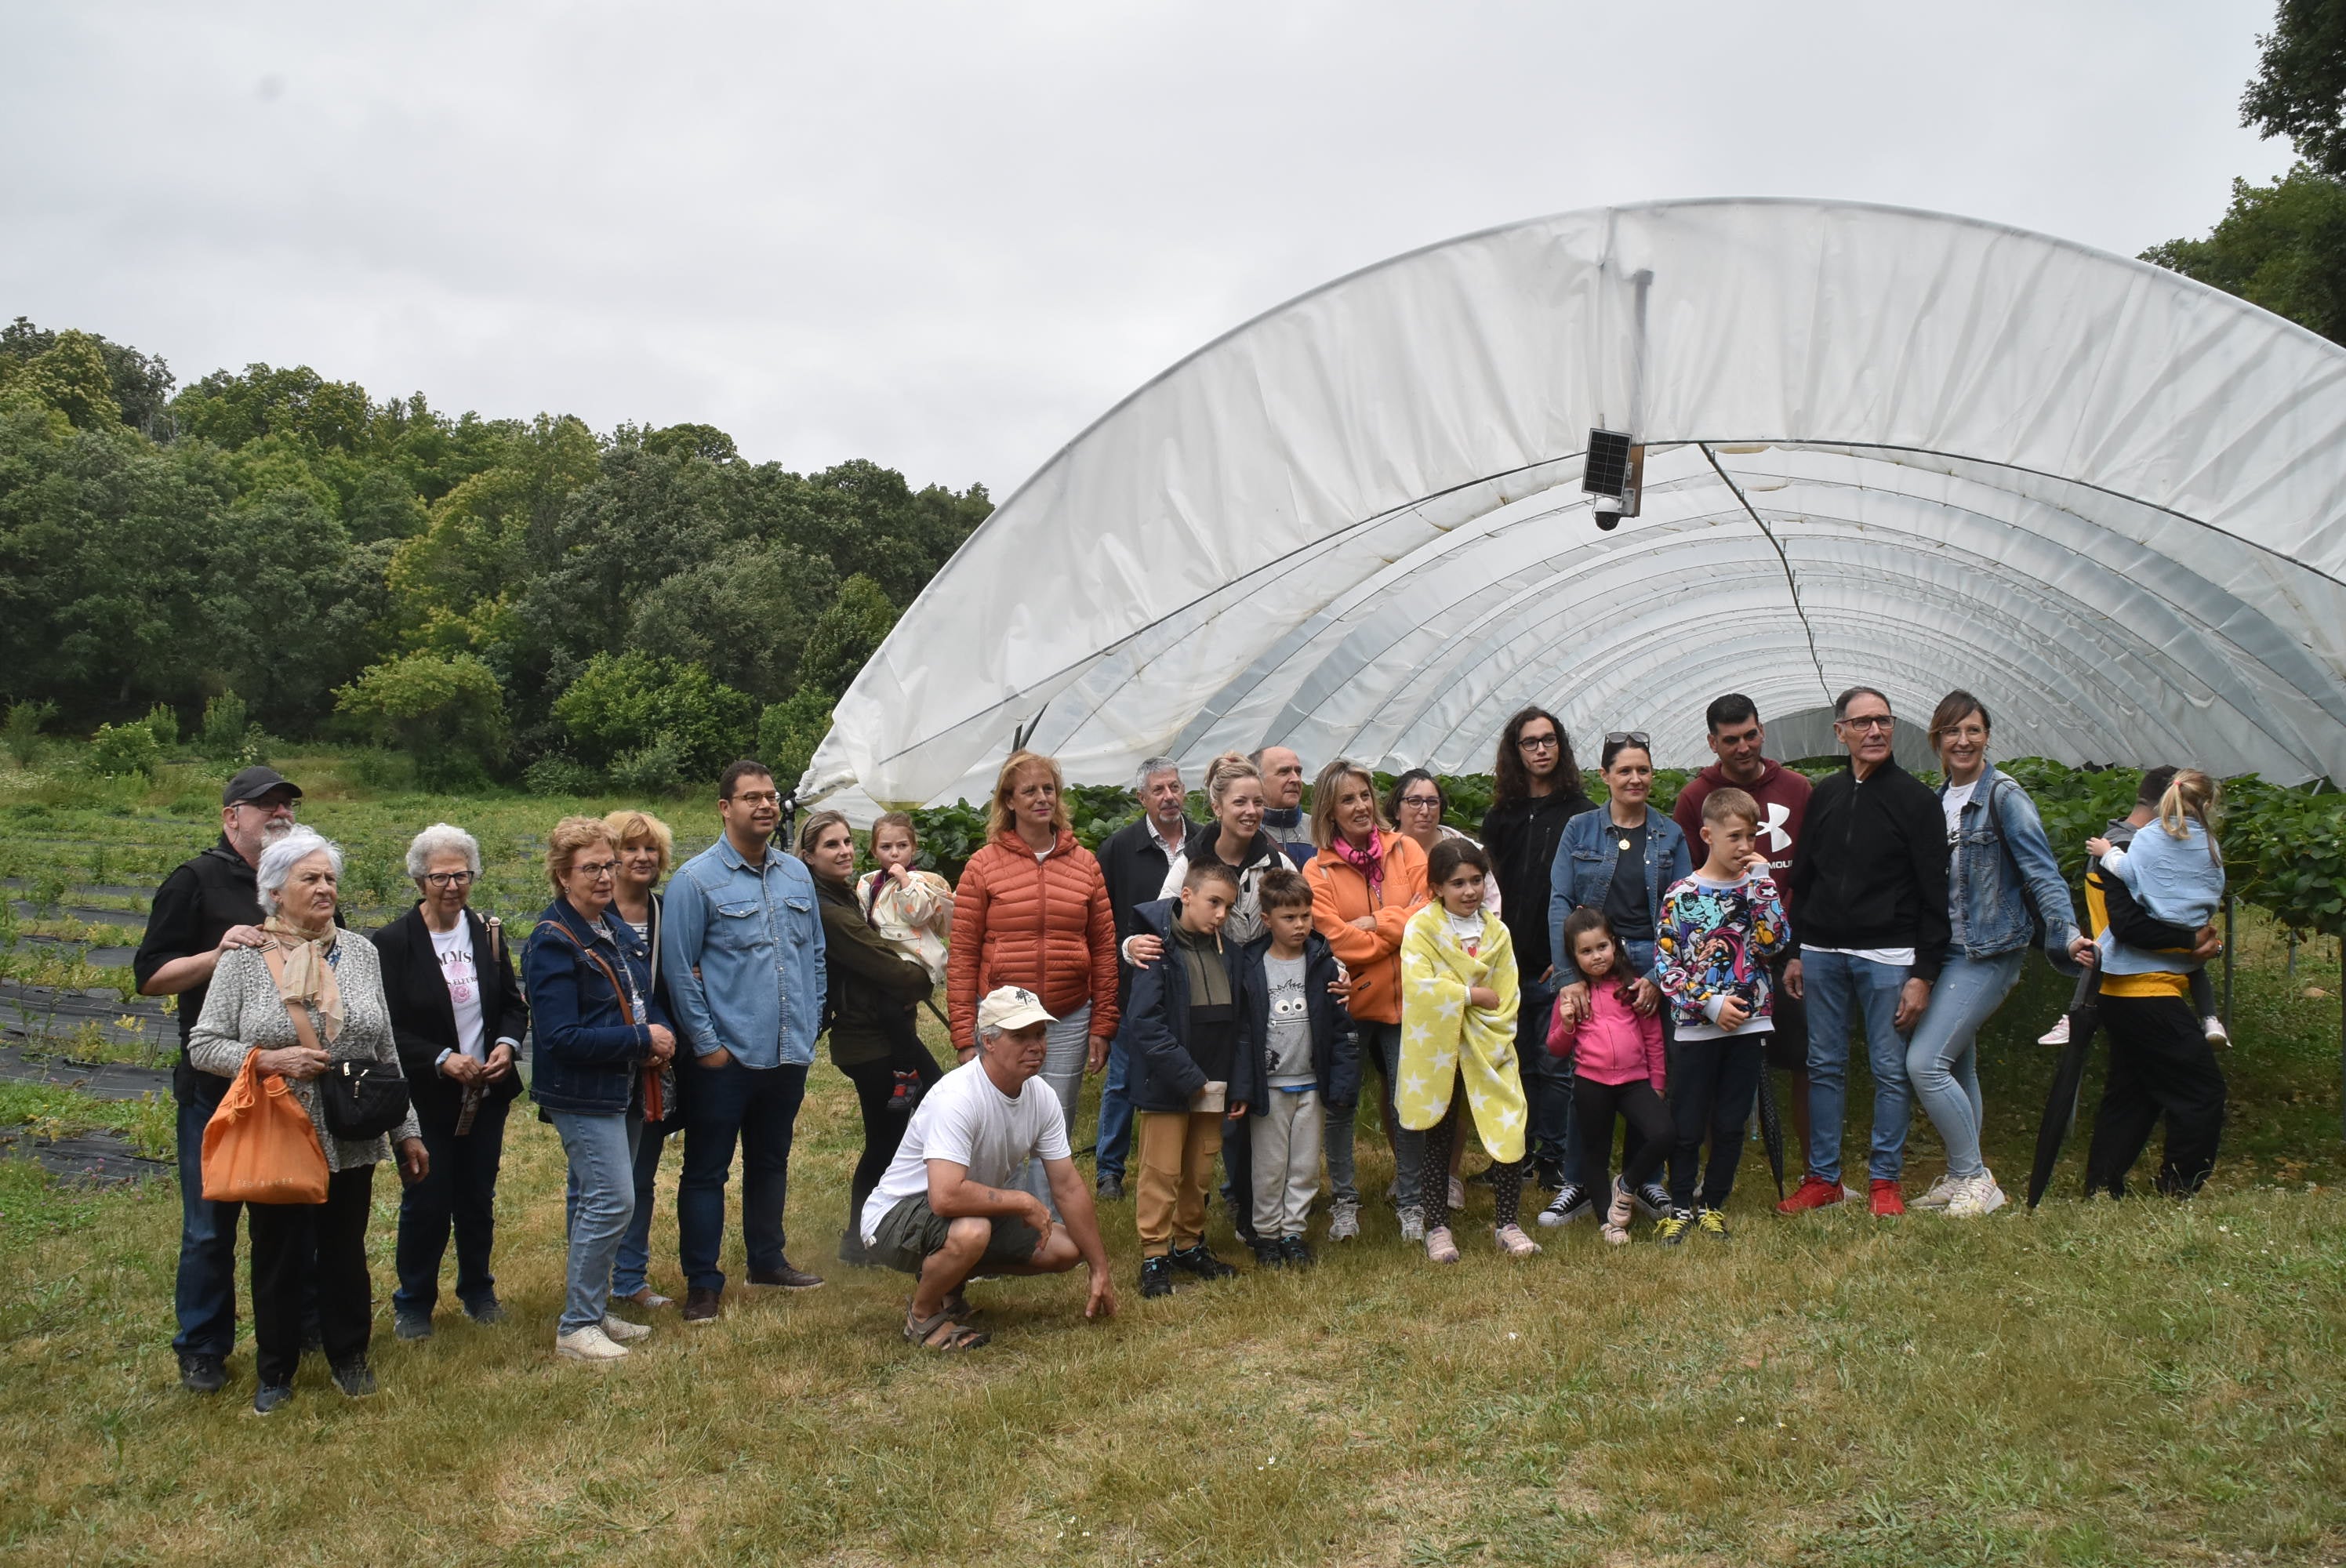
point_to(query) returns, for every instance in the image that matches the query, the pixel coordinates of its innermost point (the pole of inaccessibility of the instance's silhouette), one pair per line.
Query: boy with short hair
(1188, 1062)
(1718, 929)
(1303, 1044)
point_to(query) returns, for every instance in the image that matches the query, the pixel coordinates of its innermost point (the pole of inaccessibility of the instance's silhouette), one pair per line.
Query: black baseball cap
(254, 782)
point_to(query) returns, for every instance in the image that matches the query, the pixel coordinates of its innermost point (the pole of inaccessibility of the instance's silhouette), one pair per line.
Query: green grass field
(2097, 1383)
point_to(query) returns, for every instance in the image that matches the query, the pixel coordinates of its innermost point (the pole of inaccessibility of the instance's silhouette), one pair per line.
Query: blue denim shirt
(1987, 905)
(1582, 873)
(741, 956)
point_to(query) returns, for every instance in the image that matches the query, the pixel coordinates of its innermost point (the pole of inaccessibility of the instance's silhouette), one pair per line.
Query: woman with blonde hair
(646, 850)
(1367, 880)
(1032, 911)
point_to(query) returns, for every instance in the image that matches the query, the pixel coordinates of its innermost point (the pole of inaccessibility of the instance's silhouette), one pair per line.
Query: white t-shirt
(454, 950)
(965, 1119)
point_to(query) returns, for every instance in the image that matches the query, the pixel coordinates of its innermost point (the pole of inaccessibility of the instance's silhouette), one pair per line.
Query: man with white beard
(208, 906)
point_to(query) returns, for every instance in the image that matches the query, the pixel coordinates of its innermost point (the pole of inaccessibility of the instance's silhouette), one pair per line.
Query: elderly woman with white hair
(458, 1018)
(336, 982)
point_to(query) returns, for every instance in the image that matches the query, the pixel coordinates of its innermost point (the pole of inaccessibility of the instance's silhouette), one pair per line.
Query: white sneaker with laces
(2218, 1035)
(1457, 1195)
(1412, 1224)
(2057, 1035)
(620, 1330)
(1941, 1192)
(587, 1344)
(1343, 1220)
(1976, 1197)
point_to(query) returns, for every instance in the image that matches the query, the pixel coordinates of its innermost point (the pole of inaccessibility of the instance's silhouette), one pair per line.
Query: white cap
(1011, 1007)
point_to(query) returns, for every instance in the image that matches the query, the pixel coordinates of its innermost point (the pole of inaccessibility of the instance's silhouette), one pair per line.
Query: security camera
(1607, 510)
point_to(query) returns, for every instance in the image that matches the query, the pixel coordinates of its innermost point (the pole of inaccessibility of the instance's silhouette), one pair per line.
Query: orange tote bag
(261, 1146)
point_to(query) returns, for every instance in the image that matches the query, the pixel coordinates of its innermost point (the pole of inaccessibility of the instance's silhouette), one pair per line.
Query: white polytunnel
(1882, 446)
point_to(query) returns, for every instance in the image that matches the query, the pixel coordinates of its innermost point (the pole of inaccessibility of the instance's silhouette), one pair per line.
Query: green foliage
(138, 385)
(2282, 246)
(656, 769)
(164, 724)
(558, 775)
(222, 735)
(22, 733)
(787, 733)
(632, 705)
(447, 713)
(2299, 90)
(119, 750)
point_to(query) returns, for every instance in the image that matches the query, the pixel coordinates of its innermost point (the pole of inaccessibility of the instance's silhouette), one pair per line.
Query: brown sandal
(941, 1333)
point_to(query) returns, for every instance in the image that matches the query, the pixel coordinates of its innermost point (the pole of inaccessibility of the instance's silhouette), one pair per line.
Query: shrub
(222, 734)
(447, 712)
(657, 769)
(163, 723)
(560, 775)
(23, 735)
(629, 704)
(119, 750)
(787, 733)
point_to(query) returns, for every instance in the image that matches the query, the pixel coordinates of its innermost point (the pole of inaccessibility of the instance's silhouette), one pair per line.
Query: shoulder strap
(626, 1011)
(303, 1030)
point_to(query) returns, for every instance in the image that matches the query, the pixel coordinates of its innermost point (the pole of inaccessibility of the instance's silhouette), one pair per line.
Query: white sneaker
(1941, 1192)
(1457, 1195)
(2057, 1035)
(587, 1344)
(2218, 1035)
(1975, 1198)
(1412, 1224)
(620, 1329)
(1343, 1220)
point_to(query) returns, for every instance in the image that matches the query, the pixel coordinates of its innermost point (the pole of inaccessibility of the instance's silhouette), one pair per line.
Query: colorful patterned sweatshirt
(1713, 942)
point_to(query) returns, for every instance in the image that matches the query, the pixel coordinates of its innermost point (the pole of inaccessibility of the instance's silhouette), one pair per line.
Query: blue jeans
(1380, 1043)
(599, 1200)
(1840, 991)
(757, 1108)
(458, 1193)
(630, 1274)
(1943, 1059)
(1113, 1148)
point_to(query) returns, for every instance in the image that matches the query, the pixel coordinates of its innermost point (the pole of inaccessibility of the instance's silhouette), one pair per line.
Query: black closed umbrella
(1772, 1128)
(2068, 1072)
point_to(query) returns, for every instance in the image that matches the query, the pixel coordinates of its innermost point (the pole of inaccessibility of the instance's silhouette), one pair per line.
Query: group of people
(1236, 980)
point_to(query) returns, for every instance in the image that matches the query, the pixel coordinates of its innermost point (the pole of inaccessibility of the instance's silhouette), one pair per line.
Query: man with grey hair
(1134, 860)
(1283, 817)
(944, 1209)
(209, 907)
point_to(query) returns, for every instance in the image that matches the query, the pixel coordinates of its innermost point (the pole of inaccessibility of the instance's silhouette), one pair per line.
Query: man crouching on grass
(946, 1209)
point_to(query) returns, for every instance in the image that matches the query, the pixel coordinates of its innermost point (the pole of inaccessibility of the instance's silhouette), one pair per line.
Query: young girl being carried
(1618, 1066)
(1459, 996)
(2178, 876)
(913, 911)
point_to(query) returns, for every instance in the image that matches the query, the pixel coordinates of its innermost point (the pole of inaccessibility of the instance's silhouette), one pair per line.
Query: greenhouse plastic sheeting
(1894, 447)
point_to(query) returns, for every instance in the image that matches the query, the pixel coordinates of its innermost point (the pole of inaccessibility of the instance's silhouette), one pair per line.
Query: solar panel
(1607, 469)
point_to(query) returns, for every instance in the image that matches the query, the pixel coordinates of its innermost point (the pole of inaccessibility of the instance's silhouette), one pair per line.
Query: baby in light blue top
(2175, 872)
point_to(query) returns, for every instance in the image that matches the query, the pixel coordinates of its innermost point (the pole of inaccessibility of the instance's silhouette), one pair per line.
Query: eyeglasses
(593, 871)
(1539, 742)
(759, 797)
(1423, 802)
(448, 879)
(1628, 738)
(1868, 721)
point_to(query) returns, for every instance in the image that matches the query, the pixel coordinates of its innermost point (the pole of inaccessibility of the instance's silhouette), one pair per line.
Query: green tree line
(498, 597)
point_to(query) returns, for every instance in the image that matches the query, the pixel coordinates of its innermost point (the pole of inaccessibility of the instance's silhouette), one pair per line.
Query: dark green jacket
(875, 983)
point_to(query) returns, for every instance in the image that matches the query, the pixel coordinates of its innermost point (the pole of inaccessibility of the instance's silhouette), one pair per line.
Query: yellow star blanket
(1443, 1039)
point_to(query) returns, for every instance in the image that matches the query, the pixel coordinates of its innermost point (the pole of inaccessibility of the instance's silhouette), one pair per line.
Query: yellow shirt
(2162, 983)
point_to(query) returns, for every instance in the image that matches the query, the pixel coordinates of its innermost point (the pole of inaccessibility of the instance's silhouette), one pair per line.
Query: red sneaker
(1814, 1192)
(1888, 1202)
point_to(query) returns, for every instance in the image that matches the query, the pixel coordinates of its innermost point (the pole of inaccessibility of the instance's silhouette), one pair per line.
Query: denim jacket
(741, 956)
(1987, 903)
(1582, 873)
(584, 1055)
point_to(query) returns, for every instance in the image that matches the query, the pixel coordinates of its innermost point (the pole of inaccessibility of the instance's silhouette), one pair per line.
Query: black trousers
(2160, 1065)
(460, 1194)
(1714, 1083)
(283, 1269)
(883, 1129)
(1651, 1133)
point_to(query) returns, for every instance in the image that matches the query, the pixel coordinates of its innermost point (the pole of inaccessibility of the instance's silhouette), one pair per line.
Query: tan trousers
(1175, 1152)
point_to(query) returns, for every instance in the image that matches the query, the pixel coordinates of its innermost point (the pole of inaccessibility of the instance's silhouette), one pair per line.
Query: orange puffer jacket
(1042, 924)
(1340, 895)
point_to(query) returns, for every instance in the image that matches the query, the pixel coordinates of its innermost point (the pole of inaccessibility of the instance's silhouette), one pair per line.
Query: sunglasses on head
(1628, 738)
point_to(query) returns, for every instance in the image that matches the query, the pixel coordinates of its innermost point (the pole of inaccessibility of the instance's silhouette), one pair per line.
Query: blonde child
(912, 908)
(2176, 874)
(1459, 997)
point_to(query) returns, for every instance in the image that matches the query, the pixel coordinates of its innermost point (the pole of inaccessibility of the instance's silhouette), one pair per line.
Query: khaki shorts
(911, 1230)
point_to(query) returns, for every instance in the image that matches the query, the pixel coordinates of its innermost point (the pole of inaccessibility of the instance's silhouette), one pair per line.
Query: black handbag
(362, 1100)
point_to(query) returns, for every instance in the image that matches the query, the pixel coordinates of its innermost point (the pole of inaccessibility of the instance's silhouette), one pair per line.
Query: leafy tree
(119, 750)
(446, 712)
(70, 376)
(625, 703)
(23, 735)
(2300, 91)
(141, 383)
(789, 732)
(846, 635)
(2282, 246)
(745, 613)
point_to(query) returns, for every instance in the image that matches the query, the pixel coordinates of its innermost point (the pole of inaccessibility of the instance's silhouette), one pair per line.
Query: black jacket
(1335, 1051)
(1871, 867)
(873, 983)
(1134, 864)
(1521, 837)
(423, 1021)
(1155, 1029)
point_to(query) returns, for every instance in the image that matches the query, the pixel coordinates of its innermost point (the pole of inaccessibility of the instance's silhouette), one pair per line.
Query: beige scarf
(305, 976)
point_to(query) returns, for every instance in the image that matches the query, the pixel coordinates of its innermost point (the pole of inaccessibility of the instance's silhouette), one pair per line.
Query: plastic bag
(261, 1145)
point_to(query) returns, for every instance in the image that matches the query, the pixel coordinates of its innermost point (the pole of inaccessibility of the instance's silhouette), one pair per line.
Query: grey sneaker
(1412, 1224)
(1344, 1219)
(411, 1325)
(268, 1396)
(354, 1379)
(1109, 1190)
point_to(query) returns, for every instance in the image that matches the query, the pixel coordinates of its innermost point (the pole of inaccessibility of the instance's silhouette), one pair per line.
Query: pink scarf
(1369, 863)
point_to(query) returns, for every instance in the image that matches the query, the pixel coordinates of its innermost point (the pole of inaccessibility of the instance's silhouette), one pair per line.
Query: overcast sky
(948, 237)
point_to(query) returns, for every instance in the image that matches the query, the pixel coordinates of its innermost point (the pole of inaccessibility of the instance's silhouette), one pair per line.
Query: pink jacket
(1614, 1045)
